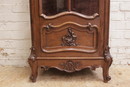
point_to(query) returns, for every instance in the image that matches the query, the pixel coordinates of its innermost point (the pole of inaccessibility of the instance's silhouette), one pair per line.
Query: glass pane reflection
(86, 7)
(52, 7)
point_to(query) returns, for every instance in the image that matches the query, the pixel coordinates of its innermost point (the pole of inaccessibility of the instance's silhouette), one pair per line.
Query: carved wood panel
(69, 36)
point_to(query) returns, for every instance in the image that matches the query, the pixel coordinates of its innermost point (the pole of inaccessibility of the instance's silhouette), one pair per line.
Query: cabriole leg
(34, 70)
(107, 63)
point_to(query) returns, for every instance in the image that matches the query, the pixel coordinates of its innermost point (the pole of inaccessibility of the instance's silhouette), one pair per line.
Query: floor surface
(19, 77)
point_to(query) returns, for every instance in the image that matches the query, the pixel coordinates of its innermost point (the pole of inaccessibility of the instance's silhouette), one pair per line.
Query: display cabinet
(70, 35)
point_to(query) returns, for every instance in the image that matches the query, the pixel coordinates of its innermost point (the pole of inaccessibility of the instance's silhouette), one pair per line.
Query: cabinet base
(70, 66)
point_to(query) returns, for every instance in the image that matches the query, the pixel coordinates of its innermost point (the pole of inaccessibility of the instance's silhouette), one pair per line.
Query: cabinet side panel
(106, 25)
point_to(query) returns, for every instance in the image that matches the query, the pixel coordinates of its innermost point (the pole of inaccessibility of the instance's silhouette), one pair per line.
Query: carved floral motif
(69, 39)
(70, 65)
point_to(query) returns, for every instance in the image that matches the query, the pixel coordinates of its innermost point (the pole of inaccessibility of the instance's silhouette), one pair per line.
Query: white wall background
(15, 34)
(120, 31)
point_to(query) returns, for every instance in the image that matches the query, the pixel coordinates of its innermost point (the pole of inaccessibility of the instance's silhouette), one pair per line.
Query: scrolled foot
(108, 78)
(32, 78)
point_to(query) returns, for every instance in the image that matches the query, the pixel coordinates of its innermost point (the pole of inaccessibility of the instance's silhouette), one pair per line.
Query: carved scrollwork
(69, 39)
(95, 15)
(107, 55)
(48, 27)
(91, 27)
(32, 55)
(70, 65)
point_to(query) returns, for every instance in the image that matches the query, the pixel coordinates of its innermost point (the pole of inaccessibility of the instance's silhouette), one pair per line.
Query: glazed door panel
(86, 7)
(56, 8)
(53, 7)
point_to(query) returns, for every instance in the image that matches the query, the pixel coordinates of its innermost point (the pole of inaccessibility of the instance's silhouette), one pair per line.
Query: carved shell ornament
(69, 39)
(70, 65)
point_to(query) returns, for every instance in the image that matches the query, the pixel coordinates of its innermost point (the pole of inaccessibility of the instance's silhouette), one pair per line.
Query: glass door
(53, 7)
(86, 7)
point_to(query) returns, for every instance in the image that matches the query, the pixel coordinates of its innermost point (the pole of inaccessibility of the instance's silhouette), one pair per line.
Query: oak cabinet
(70, 35)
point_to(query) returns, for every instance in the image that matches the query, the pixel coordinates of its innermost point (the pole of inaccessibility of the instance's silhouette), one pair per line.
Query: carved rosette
(70, 66)
(69, 39)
